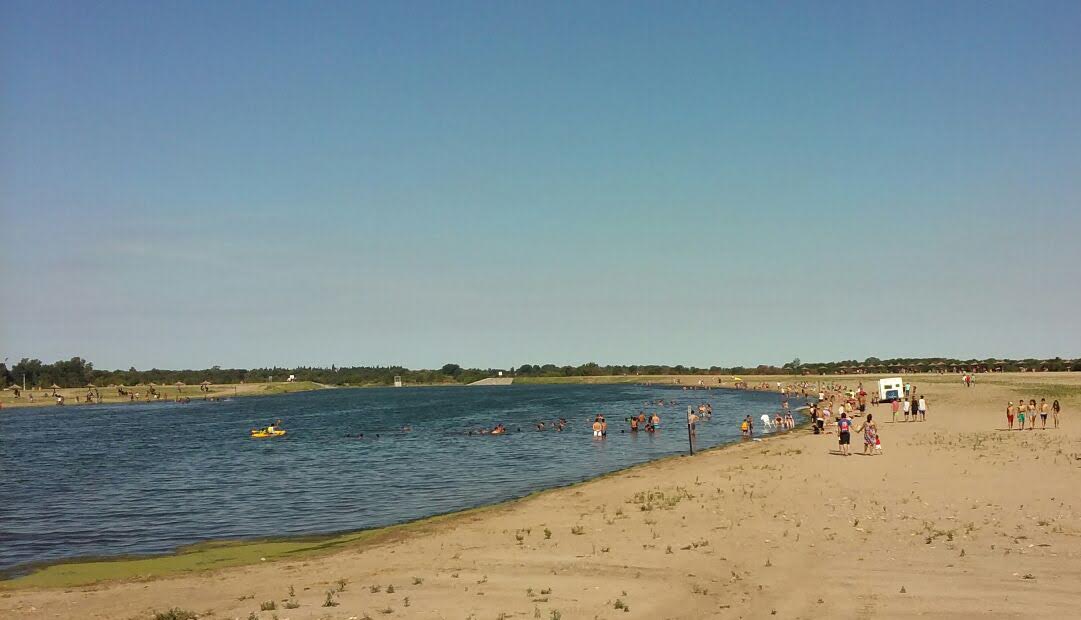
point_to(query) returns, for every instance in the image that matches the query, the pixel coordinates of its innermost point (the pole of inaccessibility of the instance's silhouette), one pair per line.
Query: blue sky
(246, 184)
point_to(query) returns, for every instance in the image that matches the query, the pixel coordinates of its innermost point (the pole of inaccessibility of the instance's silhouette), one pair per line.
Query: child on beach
(907, 407)
(1021, 416)
(1055, 409)
(1010, 412)
(895, 405)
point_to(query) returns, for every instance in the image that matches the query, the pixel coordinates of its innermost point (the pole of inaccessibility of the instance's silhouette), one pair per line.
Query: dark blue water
(146, 478)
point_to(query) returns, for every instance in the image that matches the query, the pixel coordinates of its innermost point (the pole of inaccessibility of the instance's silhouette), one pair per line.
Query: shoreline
(957, 517)
(67, 572)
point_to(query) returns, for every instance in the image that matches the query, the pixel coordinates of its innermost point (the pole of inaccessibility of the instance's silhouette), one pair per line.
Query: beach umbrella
(55, 387)
(205, 383)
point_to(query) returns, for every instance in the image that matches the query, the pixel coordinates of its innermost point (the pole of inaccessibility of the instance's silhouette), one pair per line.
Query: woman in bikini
(1055, 409)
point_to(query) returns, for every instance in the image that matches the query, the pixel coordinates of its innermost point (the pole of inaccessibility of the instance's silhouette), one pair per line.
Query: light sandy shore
(956, 519)
(169, 393)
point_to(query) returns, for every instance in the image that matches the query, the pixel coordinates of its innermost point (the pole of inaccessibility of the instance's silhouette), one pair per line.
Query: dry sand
(956, 519)
(45, 398)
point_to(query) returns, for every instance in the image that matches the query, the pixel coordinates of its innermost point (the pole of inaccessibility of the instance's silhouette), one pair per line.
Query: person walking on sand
(908, 407)
(870, 435)
(844, 428)
(1032, 414)
(923, 408)
(1055, 409)
(895, 405)
(1021, 415)
(1044, 410)
(1011, 411)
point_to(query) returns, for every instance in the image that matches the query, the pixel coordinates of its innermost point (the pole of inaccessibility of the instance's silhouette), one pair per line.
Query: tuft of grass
(547, 533)
(390, 589)
(330, 602)
(341, 584)
(268, 606)
(375, 588)
(417, 581)
(578, 530)
(619, 604)
(555, 615)
(291, 604)
(176, 613)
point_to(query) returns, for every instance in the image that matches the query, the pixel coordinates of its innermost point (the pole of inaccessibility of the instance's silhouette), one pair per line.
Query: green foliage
(77, 372)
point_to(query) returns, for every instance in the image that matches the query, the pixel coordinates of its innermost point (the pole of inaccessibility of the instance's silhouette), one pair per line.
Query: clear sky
(245, 184)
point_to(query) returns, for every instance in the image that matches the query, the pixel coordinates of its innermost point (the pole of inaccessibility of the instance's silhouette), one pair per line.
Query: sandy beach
(956, 518)
(75, 397)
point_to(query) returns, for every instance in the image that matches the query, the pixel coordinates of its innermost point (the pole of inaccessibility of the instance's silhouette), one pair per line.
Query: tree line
(78, 372)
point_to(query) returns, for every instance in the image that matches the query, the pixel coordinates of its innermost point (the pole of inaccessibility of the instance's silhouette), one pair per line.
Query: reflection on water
(146, 478)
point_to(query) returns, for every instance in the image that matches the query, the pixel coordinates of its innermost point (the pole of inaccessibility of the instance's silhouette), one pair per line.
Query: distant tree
(451, 369)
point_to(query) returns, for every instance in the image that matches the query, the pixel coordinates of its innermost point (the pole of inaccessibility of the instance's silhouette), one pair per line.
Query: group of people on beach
(842, 417)
(911, 405)
(1022, 411)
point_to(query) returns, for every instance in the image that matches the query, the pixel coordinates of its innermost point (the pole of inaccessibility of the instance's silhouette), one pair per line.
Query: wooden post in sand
(690, 440)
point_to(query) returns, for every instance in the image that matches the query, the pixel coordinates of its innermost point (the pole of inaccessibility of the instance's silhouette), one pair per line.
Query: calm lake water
(146, 478)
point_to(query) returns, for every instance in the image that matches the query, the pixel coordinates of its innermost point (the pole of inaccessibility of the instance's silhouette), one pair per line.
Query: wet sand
(957, 518)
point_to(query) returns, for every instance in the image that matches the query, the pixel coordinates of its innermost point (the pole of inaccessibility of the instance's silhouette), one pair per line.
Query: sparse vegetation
(176, 613)
(268, 606)
(330, 602)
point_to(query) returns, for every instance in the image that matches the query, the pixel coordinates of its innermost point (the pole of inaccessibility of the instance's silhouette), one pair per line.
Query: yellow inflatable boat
(262, 432)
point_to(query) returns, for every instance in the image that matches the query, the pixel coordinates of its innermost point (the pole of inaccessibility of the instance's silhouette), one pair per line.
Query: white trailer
(891, 389)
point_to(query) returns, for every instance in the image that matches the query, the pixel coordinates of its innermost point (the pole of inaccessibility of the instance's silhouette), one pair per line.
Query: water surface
(104, 480)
